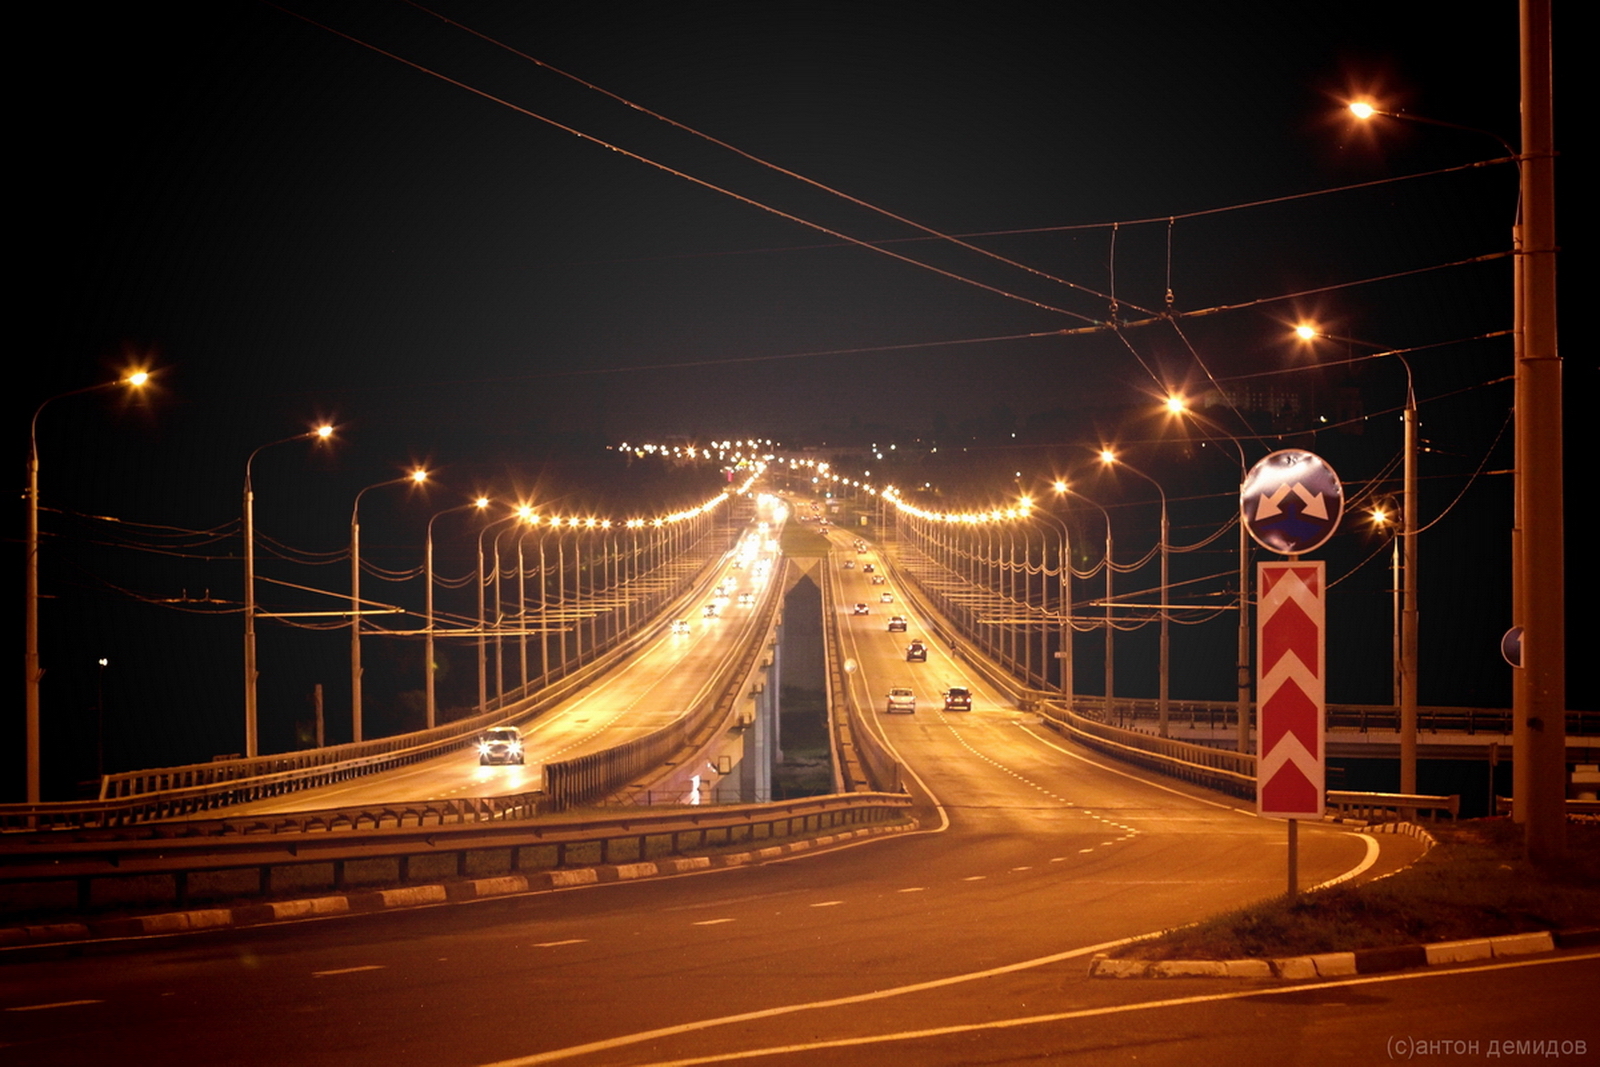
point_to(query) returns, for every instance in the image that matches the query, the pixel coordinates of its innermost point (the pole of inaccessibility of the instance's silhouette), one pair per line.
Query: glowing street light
(136, 379)
(429, 666)
(416, 477)
(251, 749)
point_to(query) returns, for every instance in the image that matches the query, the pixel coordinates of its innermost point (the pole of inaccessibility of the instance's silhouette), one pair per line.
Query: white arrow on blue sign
(1291, 501)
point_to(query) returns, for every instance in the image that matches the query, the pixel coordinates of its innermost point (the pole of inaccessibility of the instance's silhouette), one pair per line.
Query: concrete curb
(1345, 964)
(365, 901)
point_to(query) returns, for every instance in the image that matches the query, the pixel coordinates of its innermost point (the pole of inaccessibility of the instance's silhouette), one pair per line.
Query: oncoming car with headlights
(501, 744)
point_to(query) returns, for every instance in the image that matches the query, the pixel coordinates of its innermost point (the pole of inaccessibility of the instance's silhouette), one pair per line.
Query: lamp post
(251, 674)
(30, 658)
(1109, 458)
(429, 668)
(416, 477)
(1538, 565)
(1063, 487)
(1064, 601)
(1406, 539)
(1177, 406)
(522, 512)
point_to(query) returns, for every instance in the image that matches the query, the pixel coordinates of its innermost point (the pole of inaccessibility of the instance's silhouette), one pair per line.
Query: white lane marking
(558, 944)
(711, 922)
(1027, 868)
(1081, 851)
(974, 877)
(913, 889)
(1360, 868)
(347, 970)
(1058, 859)
(828, 904)
(644, 1036)
(1067, 1016)
(55, 1004)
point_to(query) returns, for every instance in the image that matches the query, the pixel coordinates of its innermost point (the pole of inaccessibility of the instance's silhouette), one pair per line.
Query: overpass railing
(55, 874)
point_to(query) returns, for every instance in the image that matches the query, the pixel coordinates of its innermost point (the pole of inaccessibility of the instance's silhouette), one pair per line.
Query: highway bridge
(964, 940)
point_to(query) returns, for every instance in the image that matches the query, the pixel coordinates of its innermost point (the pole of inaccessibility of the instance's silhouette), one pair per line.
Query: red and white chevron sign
(1291, 690)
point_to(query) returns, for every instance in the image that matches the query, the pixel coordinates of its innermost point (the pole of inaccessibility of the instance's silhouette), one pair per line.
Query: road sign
(1291, 690)
(1511, 646)
(1291, 501)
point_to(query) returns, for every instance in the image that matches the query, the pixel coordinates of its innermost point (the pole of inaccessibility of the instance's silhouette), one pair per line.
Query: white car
(500, 744)
(886, 597)
(747, 600)
(901, 698)
(680, 626)
(859, 609)
(897, 624)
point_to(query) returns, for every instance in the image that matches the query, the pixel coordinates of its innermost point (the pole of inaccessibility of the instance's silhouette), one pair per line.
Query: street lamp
(1538, 560)
(525, 513)
(428, 665)
(416, 477)
(1406, 662)
(1064, 601)
(1178, 406)
(1110, 458)
(251, 732)
(32, 672)
(1063, 488)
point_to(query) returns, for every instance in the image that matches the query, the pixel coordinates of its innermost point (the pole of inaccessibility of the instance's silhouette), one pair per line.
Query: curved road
(965, 942)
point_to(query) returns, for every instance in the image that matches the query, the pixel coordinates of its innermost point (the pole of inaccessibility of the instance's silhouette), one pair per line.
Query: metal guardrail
(1381, 807)
(58, 874)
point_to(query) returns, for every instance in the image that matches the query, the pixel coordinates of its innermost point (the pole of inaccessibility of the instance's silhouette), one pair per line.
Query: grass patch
(1474, 883)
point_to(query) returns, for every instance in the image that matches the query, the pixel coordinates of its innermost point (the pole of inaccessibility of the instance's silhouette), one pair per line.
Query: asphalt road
(1033, 854)
(655, 687)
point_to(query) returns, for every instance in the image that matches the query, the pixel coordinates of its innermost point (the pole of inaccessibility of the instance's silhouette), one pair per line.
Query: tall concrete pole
(1540, 570)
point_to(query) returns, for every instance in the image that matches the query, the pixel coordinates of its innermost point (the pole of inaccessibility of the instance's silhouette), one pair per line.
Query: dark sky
(289, 225)
(285, 218)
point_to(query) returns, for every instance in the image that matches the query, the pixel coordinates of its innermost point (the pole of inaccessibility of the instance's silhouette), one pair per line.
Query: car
(747, 600)
(901, 698)
(886, 597)
(958, 698)
(897, 624)
(680, 626)
(916, 652)
(500, 744)
(867, 568)
(712, 610)
(859, 609)
(878, 579)
(849, 564)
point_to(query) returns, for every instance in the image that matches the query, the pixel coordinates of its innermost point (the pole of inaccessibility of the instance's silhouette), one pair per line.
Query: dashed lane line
(347, 970)
(53, 1004)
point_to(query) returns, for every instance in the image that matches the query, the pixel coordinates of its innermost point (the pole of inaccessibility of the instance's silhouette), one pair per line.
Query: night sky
(288, 225)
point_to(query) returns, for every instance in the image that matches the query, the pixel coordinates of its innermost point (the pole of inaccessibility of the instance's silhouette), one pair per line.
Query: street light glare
(1362, 110)
(419, 476)
(1107, 456)
(1305, 332)
(137, 378)
(1176, 404)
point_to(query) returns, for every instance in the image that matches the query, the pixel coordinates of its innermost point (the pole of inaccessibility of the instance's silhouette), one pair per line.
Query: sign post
(1291, 503)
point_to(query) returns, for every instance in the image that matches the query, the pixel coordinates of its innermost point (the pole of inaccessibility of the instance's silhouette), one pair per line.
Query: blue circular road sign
(1291, 501)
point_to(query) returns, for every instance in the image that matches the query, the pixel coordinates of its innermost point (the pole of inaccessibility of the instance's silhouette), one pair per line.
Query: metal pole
(427, 655)
(1542, 679)
(355, 623)
(1408, 600)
